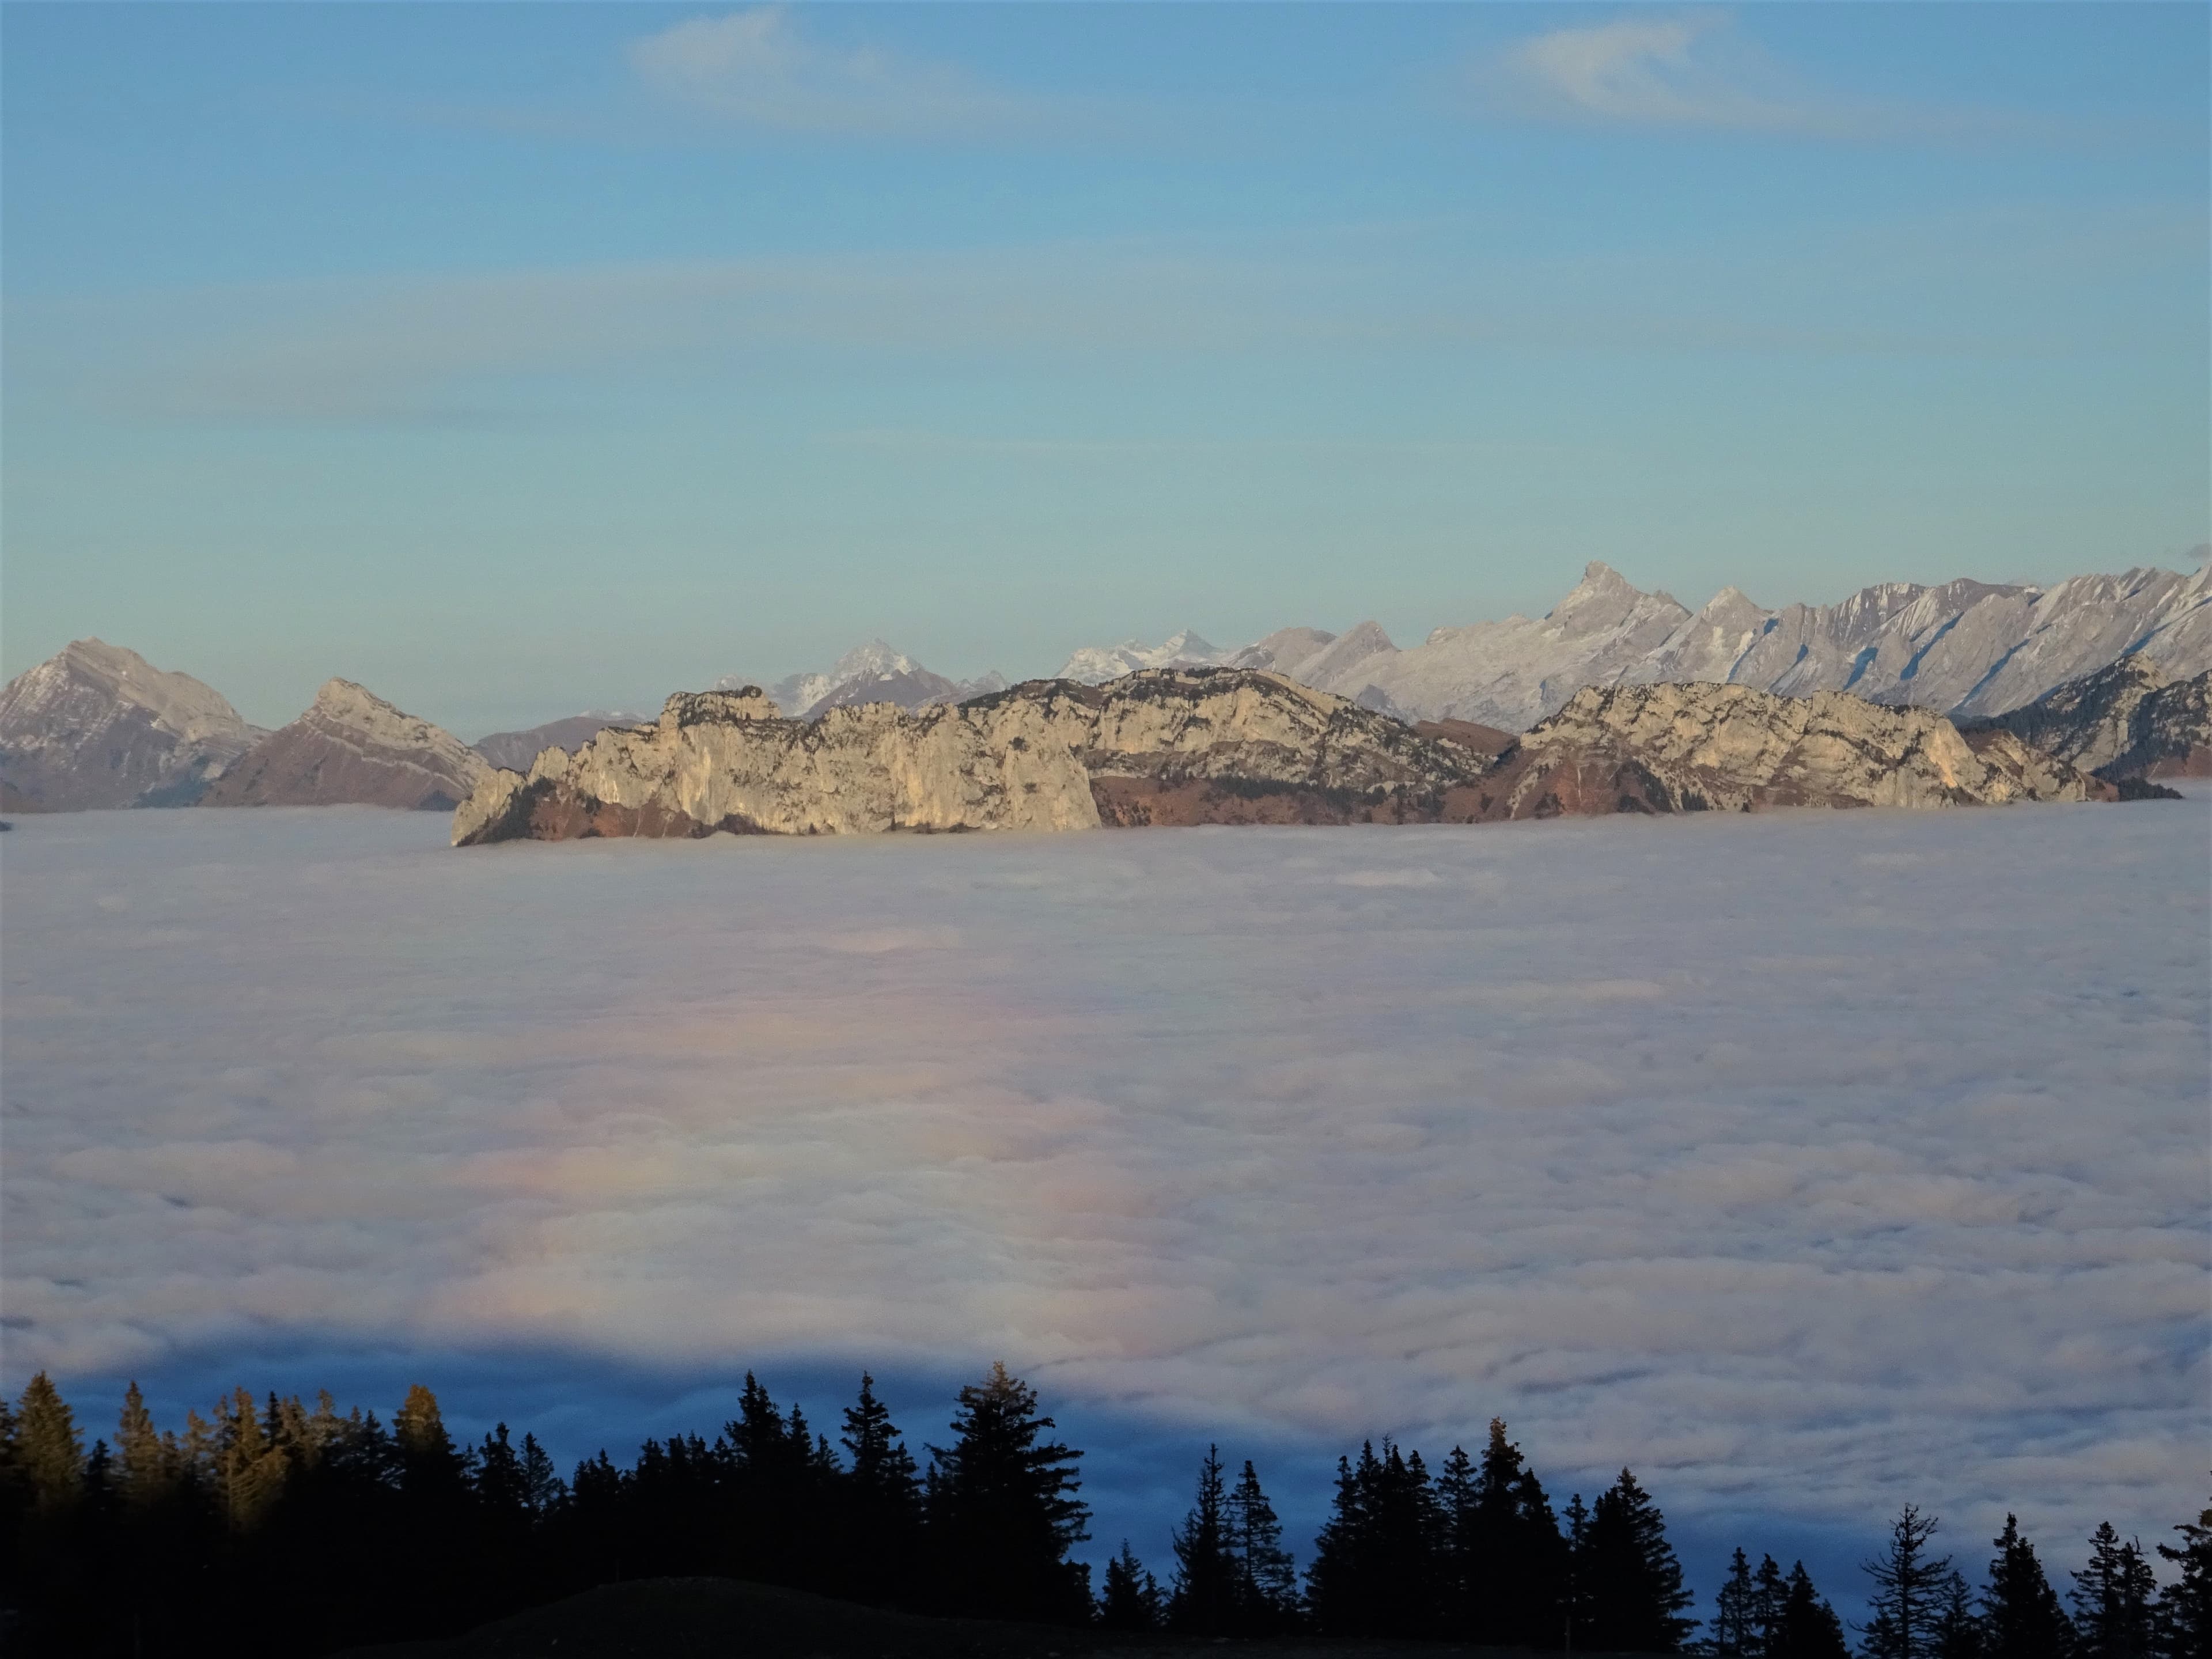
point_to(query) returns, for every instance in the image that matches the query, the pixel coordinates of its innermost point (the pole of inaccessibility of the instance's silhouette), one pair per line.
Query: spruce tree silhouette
(1130, 1598)
(2021, 1618)
(881, 1545)
(1734, 1630)
(1628, 1576)
(2114, 1599)
(2184, 1607)
(1809, 1628)
(1376, 1566)
(1267, 1576)
(1203, 1601)
(1002, 1512)
(1518, 1564)
(1909, 1585)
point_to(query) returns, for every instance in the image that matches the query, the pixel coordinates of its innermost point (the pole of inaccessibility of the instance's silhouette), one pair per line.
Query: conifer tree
(49, 1449)
(1268, 1580)
(1908, 1596)
(883, 1501)
(2021, 1618)
(1130, 1600)
(1958, 1631)
(250, 1468)
(881, 1467)
(1809, 1628)
(1735, 1628)
(1203, 1601)
(1770, 1595)
(1002, 1510)
(1458, 1581)
(1630, 1576)
(1336, 1578)
(145, 1471)
(2113, 1598)
(1575, 1600)
(1516, 1560)
(429, 1463)
(1375, 1570)
(2184, 1607)
(502, 1492)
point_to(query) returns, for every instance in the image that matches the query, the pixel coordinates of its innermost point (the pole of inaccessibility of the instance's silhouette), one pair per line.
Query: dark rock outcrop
(2127, 722)
(352, 748)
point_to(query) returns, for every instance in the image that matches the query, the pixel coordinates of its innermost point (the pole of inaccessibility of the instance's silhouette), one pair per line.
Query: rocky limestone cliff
(1688, 748)
(516, 750)
(1177, 746)
(96, 725)
(2130, 722)
(352, 747)
(1166, 745)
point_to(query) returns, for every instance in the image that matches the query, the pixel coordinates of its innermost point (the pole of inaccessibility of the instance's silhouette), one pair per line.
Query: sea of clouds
(1812, 1163)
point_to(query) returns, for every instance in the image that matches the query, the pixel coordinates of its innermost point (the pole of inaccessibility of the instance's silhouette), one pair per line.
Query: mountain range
(1967, 648)
(1231, 745)
(96, 725)
(867, 673)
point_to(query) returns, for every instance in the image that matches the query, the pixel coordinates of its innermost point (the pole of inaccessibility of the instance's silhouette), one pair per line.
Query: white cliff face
(725, 760)
(352, 747)
(1160, 745)
(1221, 746)
(96, 725)
(1729, 748)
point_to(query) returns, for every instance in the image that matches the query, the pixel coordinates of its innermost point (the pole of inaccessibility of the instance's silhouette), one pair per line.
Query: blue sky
(512, 360)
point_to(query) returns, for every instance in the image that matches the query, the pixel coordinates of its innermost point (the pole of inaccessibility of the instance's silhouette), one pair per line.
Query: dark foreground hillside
(729, 1618)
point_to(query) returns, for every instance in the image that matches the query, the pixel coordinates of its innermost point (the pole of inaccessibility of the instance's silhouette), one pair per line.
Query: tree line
(272, 1527)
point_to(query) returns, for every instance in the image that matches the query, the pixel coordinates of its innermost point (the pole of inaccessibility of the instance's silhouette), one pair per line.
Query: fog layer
(1811, 1163)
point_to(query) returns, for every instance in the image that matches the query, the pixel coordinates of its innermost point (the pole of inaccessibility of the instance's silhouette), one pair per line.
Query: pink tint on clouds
(1873, 1143)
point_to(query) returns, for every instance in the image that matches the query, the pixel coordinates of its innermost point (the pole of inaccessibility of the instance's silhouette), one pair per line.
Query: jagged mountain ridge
(1965, 647)
(2132, 720)
(872, 673)
(98, 725)
(1221, 746)
(351, 747)
(1094, 664)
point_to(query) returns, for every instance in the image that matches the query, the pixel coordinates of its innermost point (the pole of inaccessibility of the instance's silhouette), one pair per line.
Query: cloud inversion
(1812, 1164)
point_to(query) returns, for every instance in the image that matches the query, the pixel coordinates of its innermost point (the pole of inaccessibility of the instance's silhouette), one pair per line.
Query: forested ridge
(271, 1526)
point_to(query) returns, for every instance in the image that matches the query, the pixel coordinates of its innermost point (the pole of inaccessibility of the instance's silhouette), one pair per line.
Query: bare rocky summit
(96, 725)
(1181, 746)
(2130, 721)
(352, 747)
(1966, 649)
(874, 672)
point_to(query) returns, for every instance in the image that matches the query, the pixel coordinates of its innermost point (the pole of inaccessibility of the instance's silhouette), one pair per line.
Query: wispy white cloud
(1694, 70)
(759, 67)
